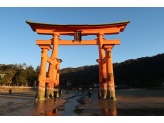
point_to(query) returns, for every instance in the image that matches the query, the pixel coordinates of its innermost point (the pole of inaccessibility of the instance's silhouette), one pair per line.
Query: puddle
(81, 101)
(70, 108)
(79, 108)
(60, 108)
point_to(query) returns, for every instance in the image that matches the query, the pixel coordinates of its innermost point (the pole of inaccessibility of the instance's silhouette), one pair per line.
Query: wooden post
(52, 82)
(110, 76)
(102, 84)
(42, 75)
(58, 70)
(55, 57)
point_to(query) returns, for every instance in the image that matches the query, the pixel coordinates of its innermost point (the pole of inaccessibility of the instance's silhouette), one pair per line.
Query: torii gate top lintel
(86, 29)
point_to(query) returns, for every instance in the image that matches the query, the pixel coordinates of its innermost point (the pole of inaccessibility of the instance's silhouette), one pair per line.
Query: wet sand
(24, 104)
(129, 103)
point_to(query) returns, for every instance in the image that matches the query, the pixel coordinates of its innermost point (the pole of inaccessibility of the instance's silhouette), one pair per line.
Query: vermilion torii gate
(106, 77)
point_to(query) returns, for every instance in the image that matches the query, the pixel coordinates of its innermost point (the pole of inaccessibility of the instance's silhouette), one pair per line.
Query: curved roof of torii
(74, 27)
(104, 24)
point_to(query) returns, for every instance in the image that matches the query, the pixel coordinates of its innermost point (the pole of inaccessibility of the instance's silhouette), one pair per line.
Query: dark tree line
(140, 73)
(86, 75)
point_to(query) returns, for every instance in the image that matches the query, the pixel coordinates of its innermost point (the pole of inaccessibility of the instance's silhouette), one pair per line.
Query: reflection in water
(110, 108)
(109, 112)
(103, 108)
(41, 106)
(53, 113)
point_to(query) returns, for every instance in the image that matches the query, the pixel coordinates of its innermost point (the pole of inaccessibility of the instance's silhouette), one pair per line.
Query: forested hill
(86, 75)
(141, 72)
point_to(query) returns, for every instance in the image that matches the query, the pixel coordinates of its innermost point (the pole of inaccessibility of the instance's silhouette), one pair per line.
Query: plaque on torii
(106, 76)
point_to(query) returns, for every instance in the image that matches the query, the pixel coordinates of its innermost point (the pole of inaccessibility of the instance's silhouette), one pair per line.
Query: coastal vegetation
(138, 73)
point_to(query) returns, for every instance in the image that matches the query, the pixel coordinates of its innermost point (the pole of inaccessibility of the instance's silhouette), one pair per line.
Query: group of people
(90, 94)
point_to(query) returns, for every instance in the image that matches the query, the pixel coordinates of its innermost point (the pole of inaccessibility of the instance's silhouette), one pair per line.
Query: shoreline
(22, 103)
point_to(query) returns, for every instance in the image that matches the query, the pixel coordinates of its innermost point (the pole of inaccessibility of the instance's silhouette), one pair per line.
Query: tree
(4, 80)
(22, 77)
(10, 75)
(20, 66)
(30, 75)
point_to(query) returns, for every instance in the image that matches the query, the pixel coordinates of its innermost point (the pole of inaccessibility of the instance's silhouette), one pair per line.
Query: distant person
(10, 92)
(67, 91)
(55, 95)
(59, 91)
(89, 95)
(99, 94)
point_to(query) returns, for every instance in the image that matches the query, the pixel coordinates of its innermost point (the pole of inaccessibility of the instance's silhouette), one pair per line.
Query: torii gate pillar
(109, 72)
(42, 75)
(58, 70)
(102, 66)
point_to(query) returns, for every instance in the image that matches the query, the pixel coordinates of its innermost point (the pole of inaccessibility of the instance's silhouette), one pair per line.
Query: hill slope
(141, 72)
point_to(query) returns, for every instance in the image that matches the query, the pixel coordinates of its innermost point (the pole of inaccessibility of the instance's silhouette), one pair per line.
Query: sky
(143, 36)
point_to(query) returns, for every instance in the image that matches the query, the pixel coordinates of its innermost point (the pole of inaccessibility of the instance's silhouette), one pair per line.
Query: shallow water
(128, 103)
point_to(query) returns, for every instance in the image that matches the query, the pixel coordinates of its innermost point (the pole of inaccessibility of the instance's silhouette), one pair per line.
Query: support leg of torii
(50, 87)
(102, 67)
(109, 68)
(58, 69)
(55, 57)
(101, 86)
(42, 75)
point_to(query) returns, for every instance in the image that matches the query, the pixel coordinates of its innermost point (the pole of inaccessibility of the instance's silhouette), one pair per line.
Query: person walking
(55, 95)
(89, 95)
(10, 92)
(67, 91)
(59, 91)
(99, 94)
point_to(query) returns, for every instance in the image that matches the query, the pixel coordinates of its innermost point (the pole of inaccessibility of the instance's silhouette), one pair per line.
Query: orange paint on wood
(101, 56)
(83, 42)
(50, 32)
(58, 68)
(55, 56)
(49, 60)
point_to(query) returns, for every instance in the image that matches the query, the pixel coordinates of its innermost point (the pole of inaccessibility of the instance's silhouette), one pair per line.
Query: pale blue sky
(143, 36)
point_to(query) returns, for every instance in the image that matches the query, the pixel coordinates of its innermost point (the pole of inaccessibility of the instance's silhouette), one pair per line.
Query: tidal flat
(129, 102)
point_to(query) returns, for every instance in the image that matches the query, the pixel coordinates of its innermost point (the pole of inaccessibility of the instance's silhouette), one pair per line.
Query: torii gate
(106, 77)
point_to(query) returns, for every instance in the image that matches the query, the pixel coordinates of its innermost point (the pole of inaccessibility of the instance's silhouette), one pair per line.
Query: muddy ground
(130, 102)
